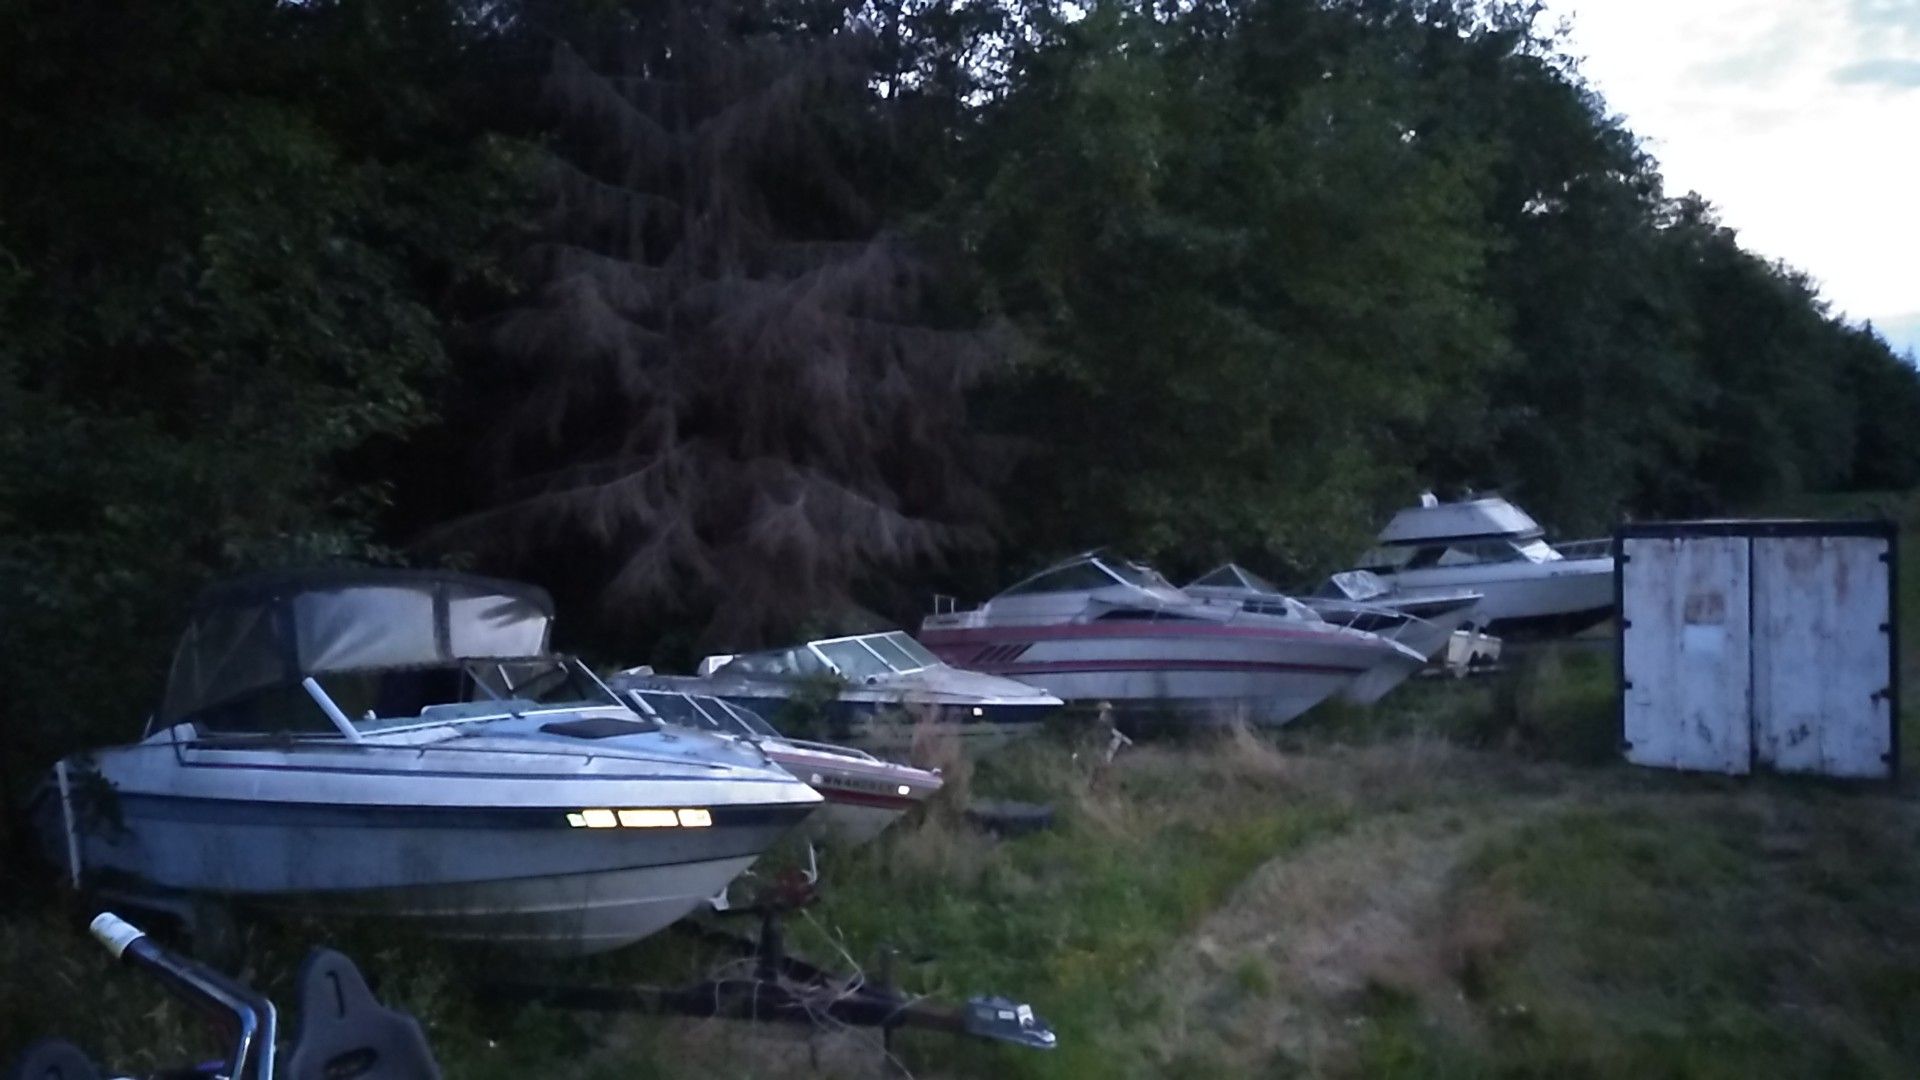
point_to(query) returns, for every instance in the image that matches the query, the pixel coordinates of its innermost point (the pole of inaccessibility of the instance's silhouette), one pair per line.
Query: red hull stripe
(1166, 665)
(867, 798)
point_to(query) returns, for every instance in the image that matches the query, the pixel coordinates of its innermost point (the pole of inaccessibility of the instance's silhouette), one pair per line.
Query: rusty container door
(1823, 637)
(1685, 658)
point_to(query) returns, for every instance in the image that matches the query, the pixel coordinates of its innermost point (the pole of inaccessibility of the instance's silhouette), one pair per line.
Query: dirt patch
(1286, 973)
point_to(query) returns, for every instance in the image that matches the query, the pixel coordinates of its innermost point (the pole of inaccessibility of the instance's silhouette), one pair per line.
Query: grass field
(1463, 882)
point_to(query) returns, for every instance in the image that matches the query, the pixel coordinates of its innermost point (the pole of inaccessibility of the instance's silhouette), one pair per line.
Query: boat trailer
(776, 986)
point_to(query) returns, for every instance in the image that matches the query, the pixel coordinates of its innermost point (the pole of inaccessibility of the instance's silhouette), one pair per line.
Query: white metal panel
(1820, 655)
(1685, 653)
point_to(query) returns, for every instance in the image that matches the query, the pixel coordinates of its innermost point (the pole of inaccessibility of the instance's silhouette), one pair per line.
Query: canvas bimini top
(267, 630)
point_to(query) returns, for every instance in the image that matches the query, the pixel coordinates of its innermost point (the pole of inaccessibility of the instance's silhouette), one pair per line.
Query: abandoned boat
(862, 684)
(1530, 588)
(1095, 628)
(1443, 623)
(1235, 584)
(863, 794)
(401, 744)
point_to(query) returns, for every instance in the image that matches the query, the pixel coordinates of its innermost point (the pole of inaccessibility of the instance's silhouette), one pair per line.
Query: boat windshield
(748, 719)
(1234, 576)
(853, 659)
(794, 663)
(1082, 576)
(1352, 585)
(677, 709)
(488, 687)
(894, 649)
(922, 658)
(1145, 577)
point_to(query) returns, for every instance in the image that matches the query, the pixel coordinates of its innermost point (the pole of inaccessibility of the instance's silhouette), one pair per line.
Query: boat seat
(345, 1034)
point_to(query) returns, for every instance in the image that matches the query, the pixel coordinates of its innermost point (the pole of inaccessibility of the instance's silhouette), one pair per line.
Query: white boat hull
(1380, 679)
(571, 916)
(1560, 596)
(478, 839)
(1270, 675)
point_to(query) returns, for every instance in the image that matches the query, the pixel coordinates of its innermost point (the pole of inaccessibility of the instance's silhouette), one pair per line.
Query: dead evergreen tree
(728, 390)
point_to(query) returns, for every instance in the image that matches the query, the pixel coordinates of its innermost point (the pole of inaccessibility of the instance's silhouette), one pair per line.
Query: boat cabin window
(890, 650)
(854, 660)
(1536, 550)
(1472, 552)
(1387, 559)
(797, 662)
(1393, 559)
(1079, 577)
(1143, 615)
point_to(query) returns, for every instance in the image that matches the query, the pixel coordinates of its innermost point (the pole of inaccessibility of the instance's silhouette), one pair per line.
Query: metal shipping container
(1759, 644)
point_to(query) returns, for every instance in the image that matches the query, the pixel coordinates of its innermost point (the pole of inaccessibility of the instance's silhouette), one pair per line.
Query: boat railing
(1585, 549)
(830, 748)
(944, 604)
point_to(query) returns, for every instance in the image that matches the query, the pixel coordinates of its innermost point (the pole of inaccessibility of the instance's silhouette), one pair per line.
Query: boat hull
(1268, 675)
(521, 878)
(1525, 600)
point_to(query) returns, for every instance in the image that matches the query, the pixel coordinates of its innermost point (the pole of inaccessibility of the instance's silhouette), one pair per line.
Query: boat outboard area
(864, 794)
(1095, 628)
(402, 744)
(1530, 588)
(872, 689)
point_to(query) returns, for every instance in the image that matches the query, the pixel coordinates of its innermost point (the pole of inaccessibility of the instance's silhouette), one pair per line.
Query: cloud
(1898, 18)
(1901, 74)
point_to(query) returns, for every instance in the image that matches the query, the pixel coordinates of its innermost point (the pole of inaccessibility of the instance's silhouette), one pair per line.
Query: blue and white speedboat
(864, 681)
(400, 744)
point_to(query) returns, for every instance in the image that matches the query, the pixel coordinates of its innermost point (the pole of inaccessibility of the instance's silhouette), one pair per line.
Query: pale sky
(1798, 119)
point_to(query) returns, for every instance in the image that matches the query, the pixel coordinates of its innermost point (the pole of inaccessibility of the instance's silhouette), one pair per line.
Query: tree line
(733, 319)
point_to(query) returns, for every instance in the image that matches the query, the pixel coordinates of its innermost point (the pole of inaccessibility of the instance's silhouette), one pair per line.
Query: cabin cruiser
(1530, 588)
(401, 744)
(1235, 584)
(1095, 628)
(863, 794)
(862, 681)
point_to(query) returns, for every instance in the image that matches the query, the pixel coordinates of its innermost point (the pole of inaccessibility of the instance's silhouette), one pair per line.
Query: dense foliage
(722, 306)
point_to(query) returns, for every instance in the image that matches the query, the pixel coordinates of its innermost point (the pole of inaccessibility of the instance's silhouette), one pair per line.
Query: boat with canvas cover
(401, 744)
(1422, 624)
(1530, 588)
(1096, 628)
(863, 681)
(863, 794)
